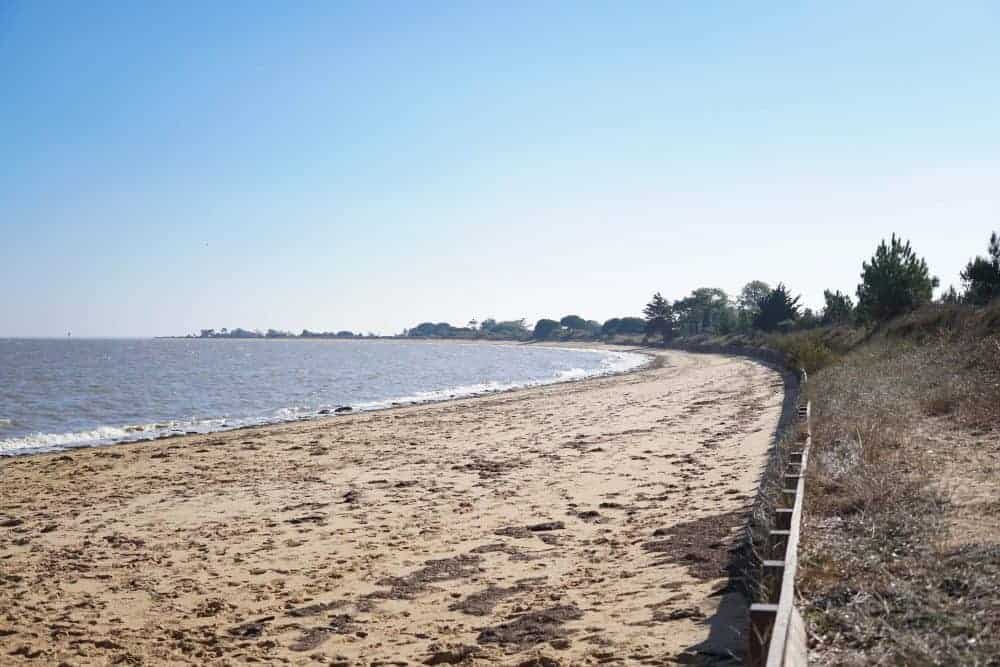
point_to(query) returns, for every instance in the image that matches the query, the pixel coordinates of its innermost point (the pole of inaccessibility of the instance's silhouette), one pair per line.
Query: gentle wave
(36, 443)
(615, 362)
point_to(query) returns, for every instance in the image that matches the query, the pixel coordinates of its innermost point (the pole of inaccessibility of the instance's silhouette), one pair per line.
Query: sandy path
(587, 523)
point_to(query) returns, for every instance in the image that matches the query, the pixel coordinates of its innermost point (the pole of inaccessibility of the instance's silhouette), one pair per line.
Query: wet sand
(575, 524)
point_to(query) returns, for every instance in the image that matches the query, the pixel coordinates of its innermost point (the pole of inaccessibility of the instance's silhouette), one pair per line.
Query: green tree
(951, 296)
(422, 330)
(612, 326)
(544, 328)
(623, 325)
(981, 276)
(894, 282)
(510, 330)
(660, 326)
(751, 294)
(728, 321)
(776, 309)
(631, 325)
(659, 317)
(574, 322)
(657, 307)
(746, 302)
(703, 310)
(839, 308)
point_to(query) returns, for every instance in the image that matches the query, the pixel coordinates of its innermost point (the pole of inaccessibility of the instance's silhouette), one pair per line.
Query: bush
(805, 350)
(544, 328)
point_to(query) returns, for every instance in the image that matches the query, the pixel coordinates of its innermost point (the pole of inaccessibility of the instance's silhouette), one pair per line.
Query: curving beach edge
(581, 523)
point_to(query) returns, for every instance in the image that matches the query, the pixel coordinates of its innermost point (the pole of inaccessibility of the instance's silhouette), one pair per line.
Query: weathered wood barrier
(777, 633)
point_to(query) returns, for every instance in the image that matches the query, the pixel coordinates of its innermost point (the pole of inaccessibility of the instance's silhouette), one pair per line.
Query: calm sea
(56, 394)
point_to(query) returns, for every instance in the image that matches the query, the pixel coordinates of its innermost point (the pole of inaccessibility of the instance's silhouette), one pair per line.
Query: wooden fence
(777, 632)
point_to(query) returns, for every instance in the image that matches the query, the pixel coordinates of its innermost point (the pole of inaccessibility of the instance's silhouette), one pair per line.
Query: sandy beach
(574, 524)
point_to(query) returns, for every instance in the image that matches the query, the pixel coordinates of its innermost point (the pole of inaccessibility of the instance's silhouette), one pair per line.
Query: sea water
(57, 394)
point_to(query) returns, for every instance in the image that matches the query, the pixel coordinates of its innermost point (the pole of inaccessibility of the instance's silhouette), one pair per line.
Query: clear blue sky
(172, 166)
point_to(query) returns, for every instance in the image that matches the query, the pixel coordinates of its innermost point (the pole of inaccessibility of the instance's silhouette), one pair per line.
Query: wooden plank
(796, 653)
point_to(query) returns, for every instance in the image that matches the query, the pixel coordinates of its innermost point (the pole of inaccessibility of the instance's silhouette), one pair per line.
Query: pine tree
(776, 308)
(659, 317)
(982, 275)
(894, 282)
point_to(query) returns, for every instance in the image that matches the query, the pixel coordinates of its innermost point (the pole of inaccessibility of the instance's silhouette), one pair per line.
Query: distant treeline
(275, 333)
(893, 281)
(487, 329)
(570, 327)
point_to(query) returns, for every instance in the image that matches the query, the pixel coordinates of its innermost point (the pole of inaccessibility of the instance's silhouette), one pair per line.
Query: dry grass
(878, 583)
(881, 580)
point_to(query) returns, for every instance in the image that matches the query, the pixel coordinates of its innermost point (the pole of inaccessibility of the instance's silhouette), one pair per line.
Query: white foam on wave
(36, 443)
(56, 441)
(611, 364)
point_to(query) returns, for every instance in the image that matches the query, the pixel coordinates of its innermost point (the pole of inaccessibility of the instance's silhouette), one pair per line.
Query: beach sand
(572, 524)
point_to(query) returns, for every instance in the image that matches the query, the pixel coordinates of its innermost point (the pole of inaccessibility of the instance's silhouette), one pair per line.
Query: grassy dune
(900, 558)
(901, 551)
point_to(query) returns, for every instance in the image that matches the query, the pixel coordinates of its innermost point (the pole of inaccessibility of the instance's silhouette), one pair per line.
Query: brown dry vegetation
(900, 559)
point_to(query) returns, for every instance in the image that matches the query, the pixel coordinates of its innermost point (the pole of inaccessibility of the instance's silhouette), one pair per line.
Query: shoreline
(325, 413)
(573, 522)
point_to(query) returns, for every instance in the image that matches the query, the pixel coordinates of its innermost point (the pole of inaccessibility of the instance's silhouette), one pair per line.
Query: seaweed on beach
(704, 546)
(530, 628)
(483, 602)
(444, 569)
